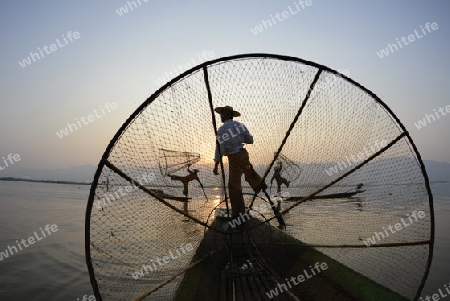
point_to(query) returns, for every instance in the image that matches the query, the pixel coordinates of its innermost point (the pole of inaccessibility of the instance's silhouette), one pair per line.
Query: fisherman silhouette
(186, 179)
(231, 137)
(277, 176)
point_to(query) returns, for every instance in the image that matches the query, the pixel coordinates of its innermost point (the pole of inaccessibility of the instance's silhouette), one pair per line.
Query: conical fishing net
(173, 161)
(357, 210)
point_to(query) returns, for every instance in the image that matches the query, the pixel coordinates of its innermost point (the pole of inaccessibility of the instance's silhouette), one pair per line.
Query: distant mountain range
(437, 171)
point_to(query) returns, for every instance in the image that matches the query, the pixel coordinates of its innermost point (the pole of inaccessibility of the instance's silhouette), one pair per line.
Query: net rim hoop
(224, 59)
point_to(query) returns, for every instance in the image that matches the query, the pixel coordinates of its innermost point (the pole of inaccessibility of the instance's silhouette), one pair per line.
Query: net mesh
(148, 238)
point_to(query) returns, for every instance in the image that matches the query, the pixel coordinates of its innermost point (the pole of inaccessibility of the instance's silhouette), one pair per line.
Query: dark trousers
(239, 164)
(280, 180)
(183, 180)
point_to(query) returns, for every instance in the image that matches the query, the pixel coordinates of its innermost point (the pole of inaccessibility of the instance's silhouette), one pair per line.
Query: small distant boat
(326, 196)
(170, 197)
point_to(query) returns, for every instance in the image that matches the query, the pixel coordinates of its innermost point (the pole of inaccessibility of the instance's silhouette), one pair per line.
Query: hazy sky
(118, 59)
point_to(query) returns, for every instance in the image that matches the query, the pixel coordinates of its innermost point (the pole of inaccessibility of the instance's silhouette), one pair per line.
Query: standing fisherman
(231, 137)
(185, 180)
(277, 176)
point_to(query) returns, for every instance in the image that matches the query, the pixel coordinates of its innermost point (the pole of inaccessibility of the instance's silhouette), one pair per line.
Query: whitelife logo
(86, 120)
(131, 5)
(31, 240)
(48, 50)
(168, 75)
(411, 38)
(87, 298)
(266, 24)
(430, 118)
(318, 267)
(11, 158)
(108, 198)
(162, 260)
(398, 227)
(437, 297)
(355, 159)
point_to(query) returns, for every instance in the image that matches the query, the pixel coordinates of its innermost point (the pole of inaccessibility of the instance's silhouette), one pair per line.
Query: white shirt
(231, 137)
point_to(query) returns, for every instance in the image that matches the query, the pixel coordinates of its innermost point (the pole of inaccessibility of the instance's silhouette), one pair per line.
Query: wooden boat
(260, 259)
(326, 196)
(170, 197)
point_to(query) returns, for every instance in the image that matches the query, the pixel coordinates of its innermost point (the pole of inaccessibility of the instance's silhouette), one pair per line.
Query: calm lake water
(54, 268)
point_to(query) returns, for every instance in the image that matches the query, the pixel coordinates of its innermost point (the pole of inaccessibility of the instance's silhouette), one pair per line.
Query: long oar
(201, 185)
(281, 223)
